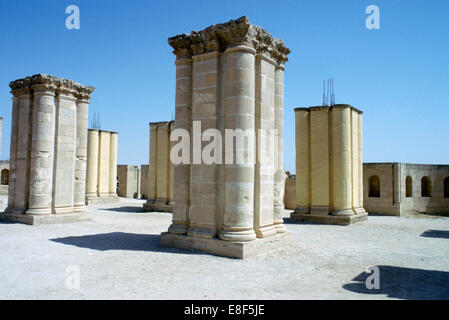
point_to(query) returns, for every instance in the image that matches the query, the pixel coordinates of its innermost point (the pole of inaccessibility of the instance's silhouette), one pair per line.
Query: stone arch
(374, 187)
(446, 187)
(426, 187)
(408, 187)
(5, 176)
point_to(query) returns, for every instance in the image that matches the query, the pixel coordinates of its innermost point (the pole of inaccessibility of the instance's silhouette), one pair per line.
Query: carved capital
(230, 34)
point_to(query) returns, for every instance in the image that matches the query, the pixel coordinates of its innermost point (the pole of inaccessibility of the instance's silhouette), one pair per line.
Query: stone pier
(229, 79)
(329, 181)
(48, 150)
(101, 182)
(129, 181)
(160, 170)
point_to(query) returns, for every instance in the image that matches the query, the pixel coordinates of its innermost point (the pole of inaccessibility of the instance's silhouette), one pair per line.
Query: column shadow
(120, 241)
(127, 209)
(443, 234)
(405, 283)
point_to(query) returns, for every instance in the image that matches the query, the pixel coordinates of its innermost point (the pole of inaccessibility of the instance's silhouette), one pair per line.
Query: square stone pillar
(328, 165)
(48, 150)
(228, 196)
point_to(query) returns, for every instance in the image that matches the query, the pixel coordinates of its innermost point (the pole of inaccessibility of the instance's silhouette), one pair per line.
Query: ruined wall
(290, 191)
(4, 174)
(395, 199)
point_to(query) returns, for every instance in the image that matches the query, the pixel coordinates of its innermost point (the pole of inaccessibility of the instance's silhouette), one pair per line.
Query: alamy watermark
(373, 20)
(73, 20)
(239, 146)
(72, 282)
(373, 280)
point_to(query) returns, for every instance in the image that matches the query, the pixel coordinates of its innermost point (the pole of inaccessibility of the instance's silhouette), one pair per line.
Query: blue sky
(398, 75)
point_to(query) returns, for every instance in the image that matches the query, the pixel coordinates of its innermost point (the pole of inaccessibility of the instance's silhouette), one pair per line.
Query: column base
(343, 212)
(46, 219)
(267, 231)
(201, 232)
(329, 219)
(280, 227)
(177, 228)
(237, 235)
(156, 207)
(303, 210)
(359, 210)
(39, 212)
(231, 249)
(319, 210)
(99, 200)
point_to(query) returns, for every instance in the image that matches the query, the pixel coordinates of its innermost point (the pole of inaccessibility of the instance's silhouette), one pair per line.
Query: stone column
(170, 166)
(42, 149)
(103, 165)
(302, 142)
(279, 177)
(162, 162)
(92, 164)
(205, 110)
(319, 160)
(65, 156)
(113, 164)
(82, 114)
(152, 179)
(239, 114)
(183, 116)
(342, 161)
(267, 170)
(13, 152)
(360, 208)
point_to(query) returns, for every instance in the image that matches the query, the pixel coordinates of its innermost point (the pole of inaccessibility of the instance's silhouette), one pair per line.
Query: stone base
(328, 219)
(229, 249)
(157, 207)
(46, 219)
(100, 200)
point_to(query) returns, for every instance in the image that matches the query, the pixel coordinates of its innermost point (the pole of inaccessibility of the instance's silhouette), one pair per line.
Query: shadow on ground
(405, 283)
(120, 241)
(129, 209)
(444, 234)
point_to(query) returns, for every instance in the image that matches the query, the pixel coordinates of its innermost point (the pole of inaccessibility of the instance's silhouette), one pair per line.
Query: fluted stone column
(343, 184)
(13, 152)
(92, 164)
(183, 117)
(302, 143)
(239, 114)
(113, 164)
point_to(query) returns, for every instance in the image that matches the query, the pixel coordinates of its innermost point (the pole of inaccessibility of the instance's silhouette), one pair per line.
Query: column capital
(223, 36)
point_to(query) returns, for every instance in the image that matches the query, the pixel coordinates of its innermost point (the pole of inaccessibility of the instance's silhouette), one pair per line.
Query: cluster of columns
(101, 182)
(48, 148)
(329, 172)
(229, 76)
(160, 170)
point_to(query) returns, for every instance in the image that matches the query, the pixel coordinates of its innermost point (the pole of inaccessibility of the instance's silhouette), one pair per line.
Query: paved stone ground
(119, 257)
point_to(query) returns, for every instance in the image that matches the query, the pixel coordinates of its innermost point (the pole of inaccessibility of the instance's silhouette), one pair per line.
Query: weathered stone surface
(229, 76)
(48, 148)
(328, 162)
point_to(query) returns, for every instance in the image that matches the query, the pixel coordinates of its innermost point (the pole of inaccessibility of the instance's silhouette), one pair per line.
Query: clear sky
(398, 75)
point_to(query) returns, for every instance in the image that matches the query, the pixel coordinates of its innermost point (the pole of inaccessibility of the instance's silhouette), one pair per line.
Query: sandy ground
(118, 257)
